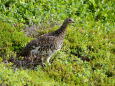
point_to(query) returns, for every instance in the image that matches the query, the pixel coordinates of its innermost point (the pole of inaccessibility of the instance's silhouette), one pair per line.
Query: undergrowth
(87, 55)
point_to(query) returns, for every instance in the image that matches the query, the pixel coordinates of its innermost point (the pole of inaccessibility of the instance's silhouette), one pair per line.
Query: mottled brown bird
(46, 45)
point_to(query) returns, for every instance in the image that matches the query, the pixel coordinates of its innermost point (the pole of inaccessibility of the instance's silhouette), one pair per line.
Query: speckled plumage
(44, 46)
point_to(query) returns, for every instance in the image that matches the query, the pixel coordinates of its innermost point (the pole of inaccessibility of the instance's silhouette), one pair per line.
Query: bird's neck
(61, 31)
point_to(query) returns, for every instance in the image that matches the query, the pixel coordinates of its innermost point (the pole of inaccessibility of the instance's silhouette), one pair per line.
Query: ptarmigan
(46, 45)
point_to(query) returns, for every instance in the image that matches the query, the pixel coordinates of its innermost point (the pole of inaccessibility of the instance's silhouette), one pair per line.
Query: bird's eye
(70, 20)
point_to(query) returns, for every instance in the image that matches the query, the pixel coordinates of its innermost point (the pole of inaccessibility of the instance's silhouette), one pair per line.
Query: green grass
(92, 36)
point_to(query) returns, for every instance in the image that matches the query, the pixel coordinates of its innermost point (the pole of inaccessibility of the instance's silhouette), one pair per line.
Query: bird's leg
(45, 60)
(48, 59)
(31, 57)
(42, 61)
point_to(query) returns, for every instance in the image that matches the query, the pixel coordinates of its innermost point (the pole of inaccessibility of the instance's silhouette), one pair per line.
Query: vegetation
(87, 56)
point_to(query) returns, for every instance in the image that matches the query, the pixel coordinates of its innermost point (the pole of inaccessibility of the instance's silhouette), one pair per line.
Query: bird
(43, 47)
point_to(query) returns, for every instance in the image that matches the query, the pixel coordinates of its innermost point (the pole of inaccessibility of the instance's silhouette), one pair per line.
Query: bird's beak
(72, 21)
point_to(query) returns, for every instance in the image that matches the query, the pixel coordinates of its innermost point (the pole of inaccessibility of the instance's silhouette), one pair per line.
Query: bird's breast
(38, 51)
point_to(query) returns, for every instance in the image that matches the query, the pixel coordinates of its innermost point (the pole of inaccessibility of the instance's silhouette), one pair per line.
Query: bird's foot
(43, 64)
(48, 63)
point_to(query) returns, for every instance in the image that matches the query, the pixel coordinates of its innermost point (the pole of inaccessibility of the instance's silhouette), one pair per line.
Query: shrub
(11, 39)
(87, 56)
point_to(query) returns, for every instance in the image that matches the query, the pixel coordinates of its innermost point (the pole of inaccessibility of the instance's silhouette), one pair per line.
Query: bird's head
(68, 20)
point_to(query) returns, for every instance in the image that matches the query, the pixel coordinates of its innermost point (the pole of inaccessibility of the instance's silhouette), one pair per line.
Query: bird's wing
(26, 50)
(40, 45)
(45, 45)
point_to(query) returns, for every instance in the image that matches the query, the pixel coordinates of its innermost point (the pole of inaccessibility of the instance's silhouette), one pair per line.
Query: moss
(91, 37)
(11, 39)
